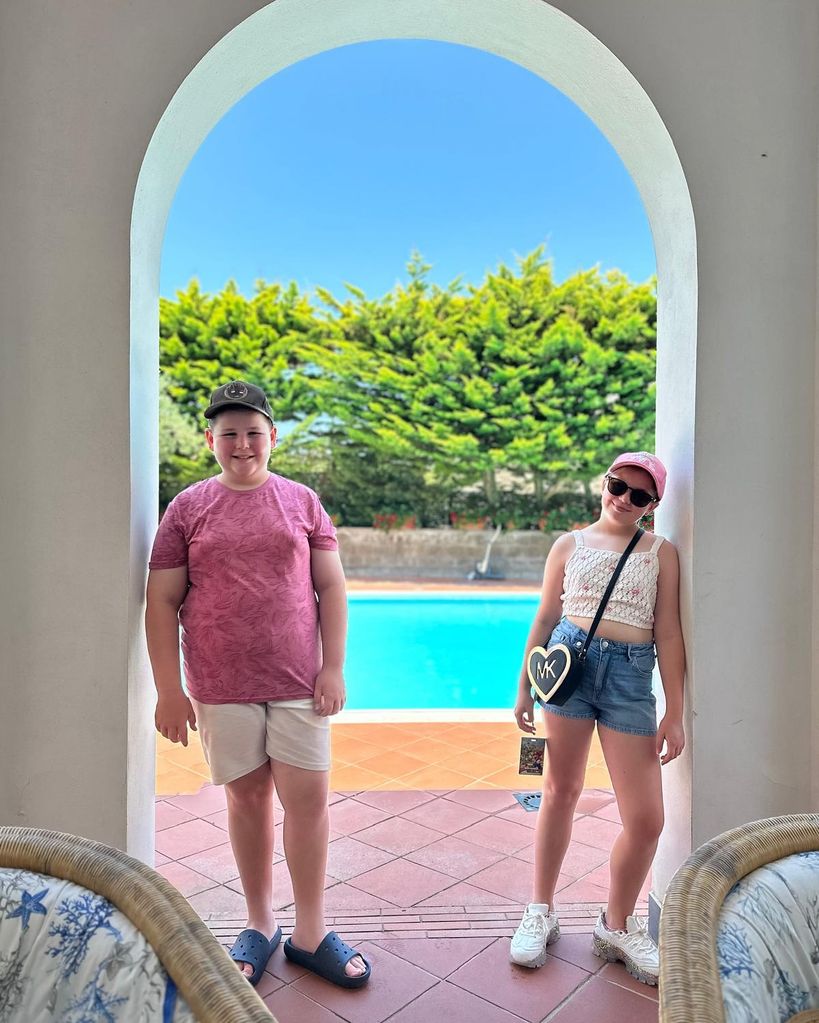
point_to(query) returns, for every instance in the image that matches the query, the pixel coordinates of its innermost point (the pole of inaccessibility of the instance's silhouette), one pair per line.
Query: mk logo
(545, 670)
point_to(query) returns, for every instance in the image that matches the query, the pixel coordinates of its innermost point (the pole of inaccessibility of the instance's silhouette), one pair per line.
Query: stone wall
(441, 553)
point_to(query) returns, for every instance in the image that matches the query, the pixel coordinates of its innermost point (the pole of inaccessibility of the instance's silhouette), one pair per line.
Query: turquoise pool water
(435, 651)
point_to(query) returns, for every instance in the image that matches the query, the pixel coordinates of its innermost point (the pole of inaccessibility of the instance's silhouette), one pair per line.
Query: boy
(247, 562)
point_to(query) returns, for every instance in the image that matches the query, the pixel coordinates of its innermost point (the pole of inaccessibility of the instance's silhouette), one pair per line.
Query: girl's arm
(547, 616)
(328, 582)
(668, 639)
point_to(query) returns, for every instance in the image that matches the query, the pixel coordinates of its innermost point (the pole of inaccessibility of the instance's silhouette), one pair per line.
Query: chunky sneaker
(538, 928)
(633, 947)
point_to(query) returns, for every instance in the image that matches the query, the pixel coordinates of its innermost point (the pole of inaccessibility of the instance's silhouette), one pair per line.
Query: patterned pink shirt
(250, 616)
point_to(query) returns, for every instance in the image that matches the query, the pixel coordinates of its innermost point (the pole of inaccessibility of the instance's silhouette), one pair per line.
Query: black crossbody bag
(556, 673)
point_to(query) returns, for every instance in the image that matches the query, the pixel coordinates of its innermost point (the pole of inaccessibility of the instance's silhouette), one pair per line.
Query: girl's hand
(525, 712)
(174, 715)
(330, 694)
(671, 732)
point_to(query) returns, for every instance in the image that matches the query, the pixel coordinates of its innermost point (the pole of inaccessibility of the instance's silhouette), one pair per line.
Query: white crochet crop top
(587, 575)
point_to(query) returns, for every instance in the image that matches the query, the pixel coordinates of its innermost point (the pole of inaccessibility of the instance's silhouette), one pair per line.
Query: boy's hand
(670, 731)
(525, 712)
(330, 693)
(174, 713)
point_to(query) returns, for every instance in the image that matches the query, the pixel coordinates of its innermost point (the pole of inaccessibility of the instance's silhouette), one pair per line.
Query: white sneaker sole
(540, 959)
(611, 954)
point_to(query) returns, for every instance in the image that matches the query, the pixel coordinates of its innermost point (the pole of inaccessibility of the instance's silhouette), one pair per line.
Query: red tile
(488, 800)
(217, 863)
(394, 984)
(501, 835)
(453, 1004)
(159, 859)
(591, 800)
(347, 857)
(219, 819)
(463, 894)
(402, 883)
(398, 836)
(344, 896)
(581, 891)
(577, 949)
(349, 816)
(267, 985)
(596, 832)
(188, 838)
(532, 994)
(167, 815)
(394, 802)
(186, 881)
(439, 956)
(609, 813)
(444, 815)
(291, 1006)
(207, 800)
(616, 973)
(455, 857)
(219, 903)
(509, 878)
(517, 815)
(607, 1003)
(580, 859)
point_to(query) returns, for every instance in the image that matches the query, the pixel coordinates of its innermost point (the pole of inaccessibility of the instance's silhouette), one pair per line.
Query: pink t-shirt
(250, 617)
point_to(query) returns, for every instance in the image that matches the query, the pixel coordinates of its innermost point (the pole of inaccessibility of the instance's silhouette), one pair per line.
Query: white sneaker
(633, 947)
(538, 928)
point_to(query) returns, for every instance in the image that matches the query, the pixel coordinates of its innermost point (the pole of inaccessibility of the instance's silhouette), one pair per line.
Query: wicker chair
(210, 983)
(690, 988)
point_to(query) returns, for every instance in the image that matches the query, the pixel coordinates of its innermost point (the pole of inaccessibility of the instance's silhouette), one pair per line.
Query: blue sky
(338, 167)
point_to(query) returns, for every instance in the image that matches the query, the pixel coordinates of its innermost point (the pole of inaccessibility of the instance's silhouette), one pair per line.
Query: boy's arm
(668, 639)
(328, 582)
(546, 617)
(166, 591)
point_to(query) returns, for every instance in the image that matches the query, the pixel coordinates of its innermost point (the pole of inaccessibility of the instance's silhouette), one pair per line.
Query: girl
(643, 612)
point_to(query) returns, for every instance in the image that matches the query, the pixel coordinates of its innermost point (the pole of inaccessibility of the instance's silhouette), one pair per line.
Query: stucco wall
(441, 553)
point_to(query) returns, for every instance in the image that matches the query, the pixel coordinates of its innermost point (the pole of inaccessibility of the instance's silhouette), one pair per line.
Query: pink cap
(644, 460)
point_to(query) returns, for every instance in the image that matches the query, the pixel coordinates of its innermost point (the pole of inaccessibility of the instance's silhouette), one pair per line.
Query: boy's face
(241, 440)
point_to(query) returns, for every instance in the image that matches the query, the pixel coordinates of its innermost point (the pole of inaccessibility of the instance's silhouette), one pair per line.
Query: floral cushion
(768, 942)
(67, 955)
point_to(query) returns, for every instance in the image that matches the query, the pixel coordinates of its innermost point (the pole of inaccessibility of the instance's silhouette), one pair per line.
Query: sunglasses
(639, 498)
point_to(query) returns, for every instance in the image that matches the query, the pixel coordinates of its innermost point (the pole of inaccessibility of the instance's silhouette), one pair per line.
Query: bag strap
(605, 598)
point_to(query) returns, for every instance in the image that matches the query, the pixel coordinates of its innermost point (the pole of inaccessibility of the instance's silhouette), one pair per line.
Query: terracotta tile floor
(430, 860)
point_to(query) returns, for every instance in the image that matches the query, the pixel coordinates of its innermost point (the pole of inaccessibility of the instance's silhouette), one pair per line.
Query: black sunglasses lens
(639, 498)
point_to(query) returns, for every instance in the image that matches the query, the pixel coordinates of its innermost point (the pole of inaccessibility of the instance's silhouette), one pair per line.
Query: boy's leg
(250, 826)
(567, 742)
(304, 795)
(634, 768)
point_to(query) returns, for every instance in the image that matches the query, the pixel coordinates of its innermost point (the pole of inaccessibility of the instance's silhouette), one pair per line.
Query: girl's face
(241, 441)
(620, 509)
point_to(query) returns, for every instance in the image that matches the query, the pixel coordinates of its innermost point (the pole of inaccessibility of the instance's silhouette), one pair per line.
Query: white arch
(530, 33)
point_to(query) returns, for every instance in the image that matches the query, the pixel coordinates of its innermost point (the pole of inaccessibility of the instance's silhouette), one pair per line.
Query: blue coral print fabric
(768, 942)
(68, 956)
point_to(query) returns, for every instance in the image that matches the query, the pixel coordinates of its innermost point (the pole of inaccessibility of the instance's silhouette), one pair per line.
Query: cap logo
(236, 390)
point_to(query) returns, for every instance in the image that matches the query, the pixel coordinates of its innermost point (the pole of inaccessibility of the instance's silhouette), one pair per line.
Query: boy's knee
(253, 789)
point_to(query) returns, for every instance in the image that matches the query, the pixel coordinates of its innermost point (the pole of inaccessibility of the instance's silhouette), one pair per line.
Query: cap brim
(211, 410)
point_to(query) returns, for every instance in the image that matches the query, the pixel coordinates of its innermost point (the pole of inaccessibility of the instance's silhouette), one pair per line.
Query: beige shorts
(239, 737)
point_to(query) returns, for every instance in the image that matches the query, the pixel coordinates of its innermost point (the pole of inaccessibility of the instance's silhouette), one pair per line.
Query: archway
(539, 38)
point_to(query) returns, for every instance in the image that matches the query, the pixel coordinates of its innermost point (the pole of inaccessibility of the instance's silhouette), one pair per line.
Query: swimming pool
(436, 651)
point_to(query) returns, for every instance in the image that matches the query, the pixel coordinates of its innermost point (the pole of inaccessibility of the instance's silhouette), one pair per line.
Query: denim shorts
(616, 686)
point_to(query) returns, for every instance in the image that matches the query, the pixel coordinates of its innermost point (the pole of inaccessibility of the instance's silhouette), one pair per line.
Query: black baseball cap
(238, 394)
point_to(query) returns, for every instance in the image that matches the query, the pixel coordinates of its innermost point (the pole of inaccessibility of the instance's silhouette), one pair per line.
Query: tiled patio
(428, 879)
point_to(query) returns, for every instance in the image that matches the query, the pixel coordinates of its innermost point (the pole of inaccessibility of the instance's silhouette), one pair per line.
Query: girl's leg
(250, 826)
(567, 742)
(303, 794)
(634, 768)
